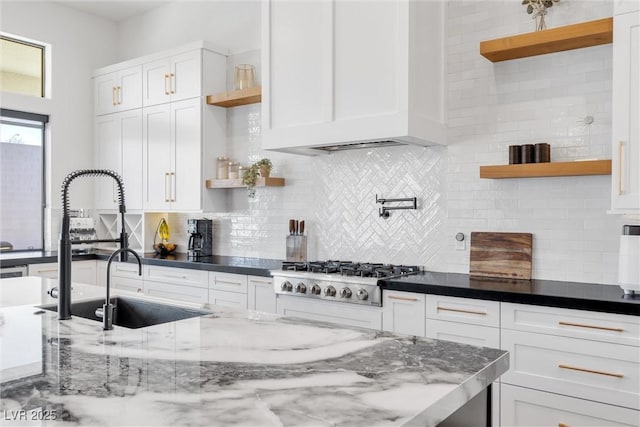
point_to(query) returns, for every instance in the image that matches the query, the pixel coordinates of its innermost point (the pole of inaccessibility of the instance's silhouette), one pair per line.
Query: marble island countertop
(227, 368)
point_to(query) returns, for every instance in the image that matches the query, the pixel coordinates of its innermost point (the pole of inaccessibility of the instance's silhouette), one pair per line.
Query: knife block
(297, 248)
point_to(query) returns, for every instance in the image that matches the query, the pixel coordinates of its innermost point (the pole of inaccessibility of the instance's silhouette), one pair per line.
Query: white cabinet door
(176, 292)
(173, 79)
(526, 407)
(172, 156)
(157, 157)
(81, 271)
(186, 181)
(261, 295)
(354, 71)
(483, 336)
(403, 313)
(178, 276)
(227, 299)
(118, 91)
(129, 284)
(625, 126)
(118, 138)
(48, 270)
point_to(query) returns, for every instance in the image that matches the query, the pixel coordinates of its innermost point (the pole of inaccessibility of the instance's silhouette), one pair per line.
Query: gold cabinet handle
(590, 371)
(402, 298)
(580, 325)
(166, 82)
(172, 83)
(113, 96)
(172, 187)
(47, 270)
(619, 168)
(166, 197)
(563, 425)
(459, 310)
(119, 94)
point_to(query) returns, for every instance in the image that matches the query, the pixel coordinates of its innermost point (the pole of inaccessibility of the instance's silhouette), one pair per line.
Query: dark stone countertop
(225, 264)
(573, 295)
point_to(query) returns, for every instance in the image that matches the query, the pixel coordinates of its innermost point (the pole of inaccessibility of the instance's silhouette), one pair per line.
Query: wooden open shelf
(585, 34)
(237, 183)
(536, 170)
(236, 98)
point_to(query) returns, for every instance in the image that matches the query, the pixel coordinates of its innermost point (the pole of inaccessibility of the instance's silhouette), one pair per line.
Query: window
(22, 198)
(21, 67)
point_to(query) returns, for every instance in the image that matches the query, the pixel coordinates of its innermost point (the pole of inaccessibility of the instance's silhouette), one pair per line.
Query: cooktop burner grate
(349, 268)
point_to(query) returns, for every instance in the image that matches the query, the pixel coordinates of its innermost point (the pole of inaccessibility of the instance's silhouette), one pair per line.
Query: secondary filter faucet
(64, 251)
(107, 308)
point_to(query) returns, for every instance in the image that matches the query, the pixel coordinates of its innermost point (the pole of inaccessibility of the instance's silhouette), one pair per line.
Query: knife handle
(301, 227)
(291, 226)
(295, 227)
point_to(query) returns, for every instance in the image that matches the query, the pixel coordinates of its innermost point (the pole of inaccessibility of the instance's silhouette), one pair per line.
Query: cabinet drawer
(228, 282)
(127, 284)
(525, 407)
(178, 276)
(176, 292)
(49, 270)
(464, 310)
(483, 336)
(124, 269)
(227, 299)
(614, 328)
(594, 370)
(329, 311)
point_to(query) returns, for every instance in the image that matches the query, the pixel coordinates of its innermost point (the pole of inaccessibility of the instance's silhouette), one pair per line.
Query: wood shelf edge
(568, 37)
(539, 170)
(236, 98)
(237, 183)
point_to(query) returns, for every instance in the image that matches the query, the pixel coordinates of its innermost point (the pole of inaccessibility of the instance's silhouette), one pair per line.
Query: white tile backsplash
(490, 106)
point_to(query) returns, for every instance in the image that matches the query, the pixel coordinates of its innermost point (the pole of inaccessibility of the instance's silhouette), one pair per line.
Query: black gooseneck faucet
(64, 249)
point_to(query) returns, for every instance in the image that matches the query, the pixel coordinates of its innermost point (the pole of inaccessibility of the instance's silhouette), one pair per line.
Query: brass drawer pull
(458, 310)
(403, 298)
(48, 270)
(563, 425)
(579, 325)
(590, 371)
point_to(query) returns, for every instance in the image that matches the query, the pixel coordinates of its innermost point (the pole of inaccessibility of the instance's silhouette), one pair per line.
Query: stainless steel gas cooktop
(342, 281)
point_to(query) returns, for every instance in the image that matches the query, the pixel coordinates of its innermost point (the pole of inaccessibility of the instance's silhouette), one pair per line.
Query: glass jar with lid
(223, 167)
(233, 170)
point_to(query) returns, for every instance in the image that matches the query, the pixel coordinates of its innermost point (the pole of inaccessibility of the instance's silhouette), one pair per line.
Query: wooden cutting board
(506, 255)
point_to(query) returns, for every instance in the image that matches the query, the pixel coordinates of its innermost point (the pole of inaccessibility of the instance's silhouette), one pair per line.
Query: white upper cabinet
(625, 126)
(172, 79)
(342, 71)
(118, 91)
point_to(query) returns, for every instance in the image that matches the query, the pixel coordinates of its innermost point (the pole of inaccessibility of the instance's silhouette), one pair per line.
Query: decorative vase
(540, 22)
(265, 171)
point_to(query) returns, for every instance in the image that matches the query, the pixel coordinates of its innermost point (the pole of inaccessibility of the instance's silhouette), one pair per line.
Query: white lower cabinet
(329, 311)
(176, 292)
(260, 294)
(125, 276)
(522, 406)
(128, 284)
(481, 336)
(403, 313)
(229, 290)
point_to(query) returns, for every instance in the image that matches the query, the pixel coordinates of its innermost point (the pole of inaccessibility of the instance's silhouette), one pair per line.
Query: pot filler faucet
(64, 249)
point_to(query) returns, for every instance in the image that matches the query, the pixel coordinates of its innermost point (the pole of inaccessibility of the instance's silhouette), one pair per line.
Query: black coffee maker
(200, 238)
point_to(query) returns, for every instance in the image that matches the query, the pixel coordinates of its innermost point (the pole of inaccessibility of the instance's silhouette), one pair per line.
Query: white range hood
(351, 74)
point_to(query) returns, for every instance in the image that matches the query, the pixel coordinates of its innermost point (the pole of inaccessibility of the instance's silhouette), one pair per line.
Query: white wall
(79, 43)
(490, 106)
(232, 24)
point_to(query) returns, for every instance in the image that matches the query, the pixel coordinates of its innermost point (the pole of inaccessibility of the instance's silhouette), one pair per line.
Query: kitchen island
(229, 368)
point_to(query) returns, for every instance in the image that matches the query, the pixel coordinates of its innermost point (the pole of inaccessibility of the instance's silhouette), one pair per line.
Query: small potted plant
(264, 165)
(250, 176)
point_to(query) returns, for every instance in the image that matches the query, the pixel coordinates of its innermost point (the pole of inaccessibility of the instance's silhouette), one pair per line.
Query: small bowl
(161, 249)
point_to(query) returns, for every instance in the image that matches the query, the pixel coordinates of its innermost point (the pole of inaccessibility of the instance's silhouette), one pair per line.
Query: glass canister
(233, 170)
(223, 167)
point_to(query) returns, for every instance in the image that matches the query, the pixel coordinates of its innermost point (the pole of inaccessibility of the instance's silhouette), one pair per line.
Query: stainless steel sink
(132, 313)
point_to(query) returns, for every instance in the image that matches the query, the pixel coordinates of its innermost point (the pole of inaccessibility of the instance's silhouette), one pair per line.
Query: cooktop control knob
(362, 294)
(345, 293)
(286, 286)
(330, 291)
(301, 288)
(315, 290)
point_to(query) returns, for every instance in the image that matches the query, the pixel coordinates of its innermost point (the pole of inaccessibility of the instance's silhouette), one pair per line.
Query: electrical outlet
(461, 246)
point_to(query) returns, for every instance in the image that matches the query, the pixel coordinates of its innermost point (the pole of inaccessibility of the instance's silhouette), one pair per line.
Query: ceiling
(113, 10)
